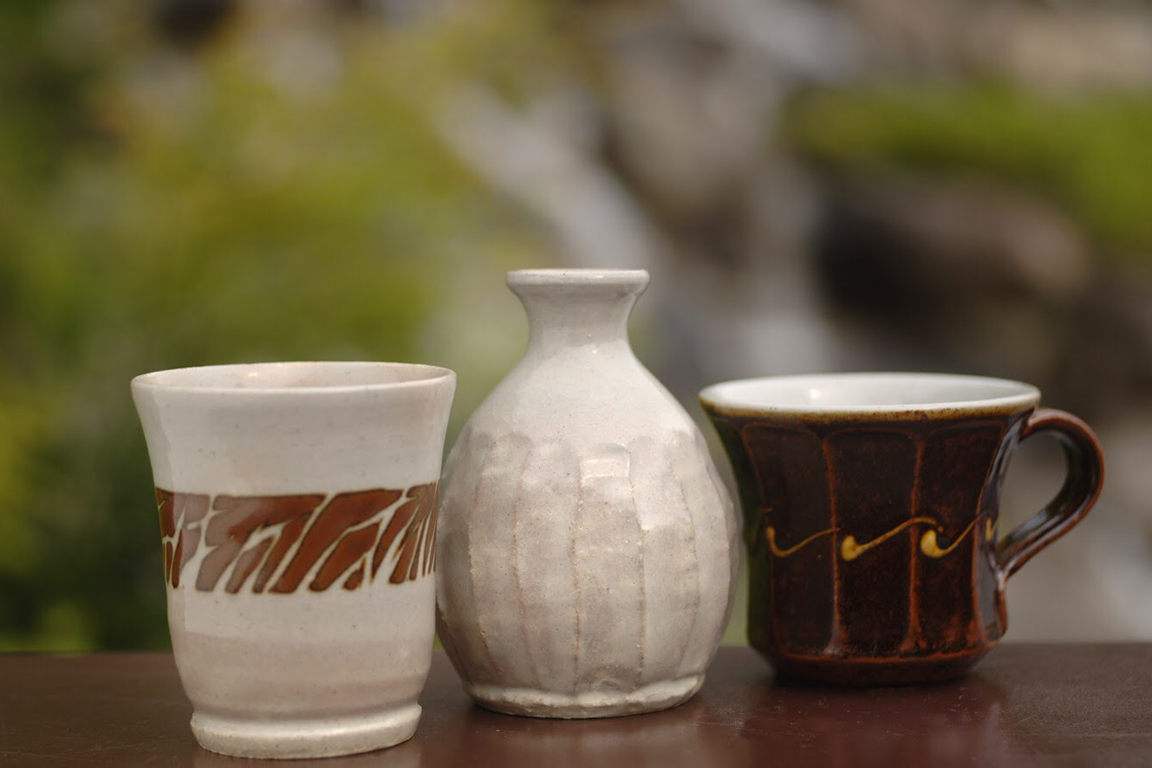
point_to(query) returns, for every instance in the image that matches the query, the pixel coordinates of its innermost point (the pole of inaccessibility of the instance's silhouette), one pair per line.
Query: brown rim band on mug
(871, 503)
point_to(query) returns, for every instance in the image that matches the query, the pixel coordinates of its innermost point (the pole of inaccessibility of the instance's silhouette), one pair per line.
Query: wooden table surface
(1062, 705)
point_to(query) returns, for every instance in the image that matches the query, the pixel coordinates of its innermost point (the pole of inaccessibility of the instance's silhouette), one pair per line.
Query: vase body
(587, 547)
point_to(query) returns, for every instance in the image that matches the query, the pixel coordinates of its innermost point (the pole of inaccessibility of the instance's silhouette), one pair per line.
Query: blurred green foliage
(1090, 153)
(279, 192)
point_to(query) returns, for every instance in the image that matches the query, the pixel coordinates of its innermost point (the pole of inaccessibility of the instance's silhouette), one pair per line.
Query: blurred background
(945, 185)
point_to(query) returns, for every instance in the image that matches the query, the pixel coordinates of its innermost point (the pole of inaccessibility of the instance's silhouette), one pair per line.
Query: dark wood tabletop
(1062, 705)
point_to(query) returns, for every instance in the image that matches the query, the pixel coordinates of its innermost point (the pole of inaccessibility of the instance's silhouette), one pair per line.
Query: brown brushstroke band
(349, 536)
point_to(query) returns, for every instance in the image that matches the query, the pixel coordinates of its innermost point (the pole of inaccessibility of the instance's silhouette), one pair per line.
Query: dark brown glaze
(246, 535)
(873, 556)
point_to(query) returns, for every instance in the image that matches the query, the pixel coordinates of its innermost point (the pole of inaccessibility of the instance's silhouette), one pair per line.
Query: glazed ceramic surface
(297, 506)
(871, 505)
(587, 547)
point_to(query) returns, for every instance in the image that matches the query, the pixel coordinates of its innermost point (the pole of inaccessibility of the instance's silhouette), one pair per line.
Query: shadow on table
(949, 724)
(677, 737)
(406, 755)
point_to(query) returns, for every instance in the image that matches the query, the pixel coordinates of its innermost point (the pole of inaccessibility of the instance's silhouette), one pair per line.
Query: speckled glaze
(871, 504)
(297, 506)
(588, 550)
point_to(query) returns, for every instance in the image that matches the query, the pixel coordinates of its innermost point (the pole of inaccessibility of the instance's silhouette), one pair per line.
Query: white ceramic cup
(298, 507)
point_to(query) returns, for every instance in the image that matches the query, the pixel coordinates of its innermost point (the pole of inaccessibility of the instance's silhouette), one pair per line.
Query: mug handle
(1082, 484)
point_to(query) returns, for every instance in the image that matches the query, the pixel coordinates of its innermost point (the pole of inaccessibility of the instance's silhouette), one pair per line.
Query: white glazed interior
(869, 393)
(292, 377)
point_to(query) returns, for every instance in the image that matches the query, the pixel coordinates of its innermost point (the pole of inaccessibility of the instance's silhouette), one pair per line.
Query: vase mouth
(627, 279)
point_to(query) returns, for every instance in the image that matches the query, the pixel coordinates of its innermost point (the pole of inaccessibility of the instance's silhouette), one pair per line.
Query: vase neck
(577, 307)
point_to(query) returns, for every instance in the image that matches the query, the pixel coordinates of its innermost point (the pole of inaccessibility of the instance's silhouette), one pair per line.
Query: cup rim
(207, 379)
(725, 397)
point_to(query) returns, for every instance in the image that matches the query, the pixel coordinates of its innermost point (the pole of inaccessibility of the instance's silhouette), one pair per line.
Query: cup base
(876, 672)
(326, 737)
(531, 702)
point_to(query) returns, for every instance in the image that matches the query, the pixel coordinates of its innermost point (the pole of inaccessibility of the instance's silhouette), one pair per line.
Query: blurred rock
(968, 277)
(1064, 45)
(683, 126)
(1070, 46)
(1107, 361)
(191, 22)
(952, 236)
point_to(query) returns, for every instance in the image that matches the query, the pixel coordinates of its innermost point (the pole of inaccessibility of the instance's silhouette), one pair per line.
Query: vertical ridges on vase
(491, 549)
(609, 569)
(544, 559)
(556, 541)
(703, 500)
(733, 528)
(455, 603)
(670, 578)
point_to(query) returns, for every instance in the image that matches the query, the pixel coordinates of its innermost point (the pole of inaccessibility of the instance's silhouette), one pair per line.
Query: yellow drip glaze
(785, 552)
(850, 549)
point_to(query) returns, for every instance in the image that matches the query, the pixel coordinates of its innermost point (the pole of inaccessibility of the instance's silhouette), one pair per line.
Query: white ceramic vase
(587, 547)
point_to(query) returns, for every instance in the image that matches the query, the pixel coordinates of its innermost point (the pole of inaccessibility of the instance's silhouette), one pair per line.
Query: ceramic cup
(871, 504)
(297, 506)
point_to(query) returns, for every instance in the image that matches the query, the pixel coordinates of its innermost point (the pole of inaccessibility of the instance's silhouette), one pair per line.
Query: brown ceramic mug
(871, 503)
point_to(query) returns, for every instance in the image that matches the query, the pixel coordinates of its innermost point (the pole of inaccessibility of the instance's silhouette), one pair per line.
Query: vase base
(327, 737)
(531, 702)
